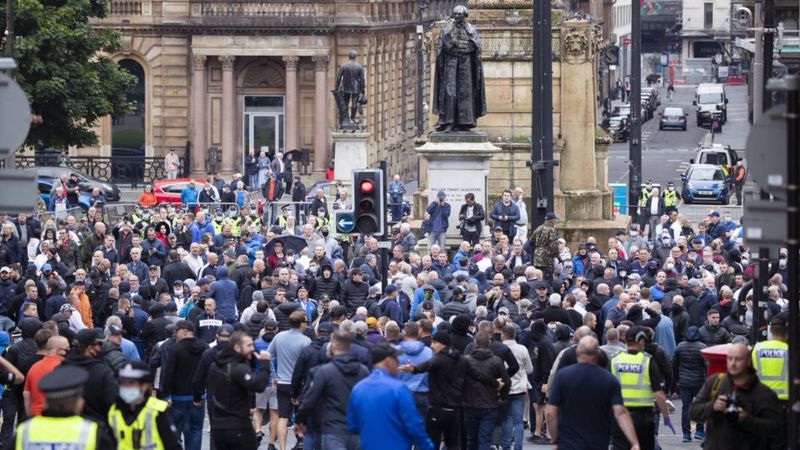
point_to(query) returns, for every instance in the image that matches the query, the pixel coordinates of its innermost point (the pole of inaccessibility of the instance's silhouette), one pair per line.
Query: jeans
(512, 427)
(688, 393)
(188, 420)
(479, 423)
(309, 438)
(244, 439)
(9, 406)
(340, 442)
(6, 323)
(436, 237)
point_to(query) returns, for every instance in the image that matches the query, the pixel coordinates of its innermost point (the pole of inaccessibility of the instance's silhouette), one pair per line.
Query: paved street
(666, 154)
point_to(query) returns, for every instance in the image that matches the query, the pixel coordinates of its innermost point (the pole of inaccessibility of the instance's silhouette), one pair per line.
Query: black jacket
(714, 335)
(255, 324)
(325, 286)
(100, 389)
(478, 216)
(282, 313)
(688, 365)
(112, 355)
(200, 379)
(482, 361)
(501, 351)
(447, 371)
(329, 393)
(542, 356)
(311, 357)
(153, 332)
(460, 337)
(353, 295)
(180, 366)
(177, 270)
(231, 382)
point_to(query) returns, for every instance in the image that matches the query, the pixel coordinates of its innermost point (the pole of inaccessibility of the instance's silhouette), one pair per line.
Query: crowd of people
(132, 332)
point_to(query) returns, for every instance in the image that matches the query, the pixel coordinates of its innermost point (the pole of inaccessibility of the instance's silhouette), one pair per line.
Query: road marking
(675, 160)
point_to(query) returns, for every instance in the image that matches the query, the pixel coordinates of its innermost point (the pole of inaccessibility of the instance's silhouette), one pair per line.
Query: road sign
(345, 222)
(15, 116)
(385, 244)
(19, 191)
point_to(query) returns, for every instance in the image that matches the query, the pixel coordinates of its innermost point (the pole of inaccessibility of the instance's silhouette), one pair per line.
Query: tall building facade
(238, 75)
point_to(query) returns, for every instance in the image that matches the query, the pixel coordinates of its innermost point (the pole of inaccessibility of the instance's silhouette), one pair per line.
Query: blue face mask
(129, 394)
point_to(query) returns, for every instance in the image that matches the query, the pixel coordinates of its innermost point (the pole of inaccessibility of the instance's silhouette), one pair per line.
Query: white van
(710, 97)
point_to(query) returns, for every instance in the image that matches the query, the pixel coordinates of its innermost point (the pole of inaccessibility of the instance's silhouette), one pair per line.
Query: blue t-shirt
(584, 394)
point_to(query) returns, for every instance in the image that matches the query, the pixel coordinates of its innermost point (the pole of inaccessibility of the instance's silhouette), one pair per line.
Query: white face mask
(178, 292)
(129, 394)
(782, 262)
(670, 266)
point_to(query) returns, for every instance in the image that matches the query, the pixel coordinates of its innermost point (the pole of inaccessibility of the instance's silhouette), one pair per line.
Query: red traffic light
(366, 187)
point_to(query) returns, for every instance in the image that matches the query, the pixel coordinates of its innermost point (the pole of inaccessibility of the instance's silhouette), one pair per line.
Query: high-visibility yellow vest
(633, 373)
(63, 433)
(670, 198)
(771, 360)
(218, 226)
(646, 193)
(145, 425)
(235, 222)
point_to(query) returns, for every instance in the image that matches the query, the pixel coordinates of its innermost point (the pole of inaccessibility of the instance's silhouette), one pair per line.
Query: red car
(169, 191)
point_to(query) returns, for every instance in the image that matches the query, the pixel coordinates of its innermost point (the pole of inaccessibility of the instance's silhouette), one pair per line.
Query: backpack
(374, 308)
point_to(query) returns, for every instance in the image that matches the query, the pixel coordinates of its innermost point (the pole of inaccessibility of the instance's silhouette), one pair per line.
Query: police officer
(60, 425)
(647, 191)
(641, 382)
(771, 361)
(671, 198)
(138, 420)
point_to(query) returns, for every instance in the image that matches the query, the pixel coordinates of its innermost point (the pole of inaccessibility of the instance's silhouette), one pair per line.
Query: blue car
(704, 183)
(46, 185)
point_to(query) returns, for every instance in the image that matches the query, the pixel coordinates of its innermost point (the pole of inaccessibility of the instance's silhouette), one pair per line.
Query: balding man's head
(581, 333)
(588, 350)
(738, 360)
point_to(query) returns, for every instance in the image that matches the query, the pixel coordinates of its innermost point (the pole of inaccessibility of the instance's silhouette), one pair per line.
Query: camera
(732, 408)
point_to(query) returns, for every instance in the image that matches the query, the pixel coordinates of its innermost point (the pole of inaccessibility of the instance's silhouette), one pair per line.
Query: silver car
(673, 118)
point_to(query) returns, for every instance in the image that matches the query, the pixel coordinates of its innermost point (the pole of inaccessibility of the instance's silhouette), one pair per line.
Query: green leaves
(62, 69)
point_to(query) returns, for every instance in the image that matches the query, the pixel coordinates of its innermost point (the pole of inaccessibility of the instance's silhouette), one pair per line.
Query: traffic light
(369, 200)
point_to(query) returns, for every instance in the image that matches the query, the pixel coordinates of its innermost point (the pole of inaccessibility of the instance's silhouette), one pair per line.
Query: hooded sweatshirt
(416, 353)
(231, 382)
(329, 393)
(687, 360)
(179, 368)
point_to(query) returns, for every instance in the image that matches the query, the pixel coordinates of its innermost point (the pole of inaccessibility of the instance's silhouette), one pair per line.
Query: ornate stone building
(242, 74)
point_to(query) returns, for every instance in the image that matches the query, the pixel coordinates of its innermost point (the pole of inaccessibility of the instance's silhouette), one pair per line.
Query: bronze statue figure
(459, 96)
(349, 93)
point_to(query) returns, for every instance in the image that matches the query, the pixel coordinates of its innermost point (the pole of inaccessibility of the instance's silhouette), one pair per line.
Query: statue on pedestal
(349, 94)
(459, 96)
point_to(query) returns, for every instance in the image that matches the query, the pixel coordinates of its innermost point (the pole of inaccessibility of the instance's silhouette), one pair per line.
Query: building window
(708, 15)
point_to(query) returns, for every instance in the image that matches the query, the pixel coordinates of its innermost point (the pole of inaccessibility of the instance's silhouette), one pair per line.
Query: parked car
(86, 182)
(673, 118)
(169, 191)
(46, 185)
(706, 183)
(618, 128)
(716, 154)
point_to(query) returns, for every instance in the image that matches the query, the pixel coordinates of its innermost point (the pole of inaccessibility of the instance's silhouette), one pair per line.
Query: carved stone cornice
(320, 63)
(227, 62)
(291, 62)
(199, 62)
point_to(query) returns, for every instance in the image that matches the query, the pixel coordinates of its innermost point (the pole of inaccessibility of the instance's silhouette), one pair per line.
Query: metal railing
(125, 8)
(132, 170)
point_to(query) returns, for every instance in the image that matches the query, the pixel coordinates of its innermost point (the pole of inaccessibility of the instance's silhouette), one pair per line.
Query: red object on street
(626, 41)
(716, 358)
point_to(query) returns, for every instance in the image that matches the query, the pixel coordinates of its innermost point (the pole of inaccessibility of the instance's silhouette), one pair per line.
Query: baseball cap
(392, 288)
(88, 336)
(5, 269)
(371, 322)
(177, 282)
(225, 330)
(551, 216)
(271, 324)
(713, 214)
(441, 337)
(503, 311)
(66, 307)
(635, 334)
(427, 306)
(153, 267)
(203, 281)
(113, 331)
(383, 350)
(325, 327)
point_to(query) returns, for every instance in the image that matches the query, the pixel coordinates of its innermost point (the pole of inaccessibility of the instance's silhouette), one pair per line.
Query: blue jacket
(578, 268)
(382, 413)
(509, 226)
(439, 216)
(419, 296)
(255, 243)
(310, 308)
(416, 353)
(189, 196)
(225, 293)
(198, 230)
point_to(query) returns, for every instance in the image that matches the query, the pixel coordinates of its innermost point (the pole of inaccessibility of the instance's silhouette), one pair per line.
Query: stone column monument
(583, 199)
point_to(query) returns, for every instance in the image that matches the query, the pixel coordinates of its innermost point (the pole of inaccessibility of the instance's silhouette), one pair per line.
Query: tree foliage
(64, 70)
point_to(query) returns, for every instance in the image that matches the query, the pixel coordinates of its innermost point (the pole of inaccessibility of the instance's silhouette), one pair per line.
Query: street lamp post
(420, 69)
(635, 149)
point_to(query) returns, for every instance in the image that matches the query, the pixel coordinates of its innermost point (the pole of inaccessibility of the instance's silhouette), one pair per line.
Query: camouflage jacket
(545, 244)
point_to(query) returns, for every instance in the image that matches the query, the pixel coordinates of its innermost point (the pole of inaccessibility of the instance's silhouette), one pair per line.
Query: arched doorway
(127, 131)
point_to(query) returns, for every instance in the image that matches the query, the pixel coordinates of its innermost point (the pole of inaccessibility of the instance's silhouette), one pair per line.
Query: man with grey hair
(589, 396)
(698, 306)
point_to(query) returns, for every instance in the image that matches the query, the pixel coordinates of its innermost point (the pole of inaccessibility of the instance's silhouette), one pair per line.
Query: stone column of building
(321, 94)
(198, 163)
(228, 114)
(292, 101)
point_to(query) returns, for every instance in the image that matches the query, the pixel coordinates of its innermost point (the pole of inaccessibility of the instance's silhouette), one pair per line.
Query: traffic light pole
(384, 235)
(541, 163)
(635, 150)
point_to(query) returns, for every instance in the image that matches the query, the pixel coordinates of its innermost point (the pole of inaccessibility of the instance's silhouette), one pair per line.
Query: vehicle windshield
(706, 174)
(705, 99)
(713, 158)
(673, 112)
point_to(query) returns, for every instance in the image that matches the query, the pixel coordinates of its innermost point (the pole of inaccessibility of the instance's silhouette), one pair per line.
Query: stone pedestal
(456, 163)
(351, 153)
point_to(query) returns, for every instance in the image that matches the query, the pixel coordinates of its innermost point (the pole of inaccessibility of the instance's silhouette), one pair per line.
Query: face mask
(670, 266)
(325, 234)
(290, 261)
(634, 233)
(129, 394)
(622, 273)
(312, 269)
(782, 261)
(178, 292)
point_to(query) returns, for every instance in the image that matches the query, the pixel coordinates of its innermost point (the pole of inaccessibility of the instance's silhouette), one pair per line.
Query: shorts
(537, 396)
(285, 406)
(267, 399)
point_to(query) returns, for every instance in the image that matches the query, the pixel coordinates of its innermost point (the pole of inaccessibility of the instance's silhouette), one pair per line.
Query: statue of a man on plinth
(459, 96)
(349, 93)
